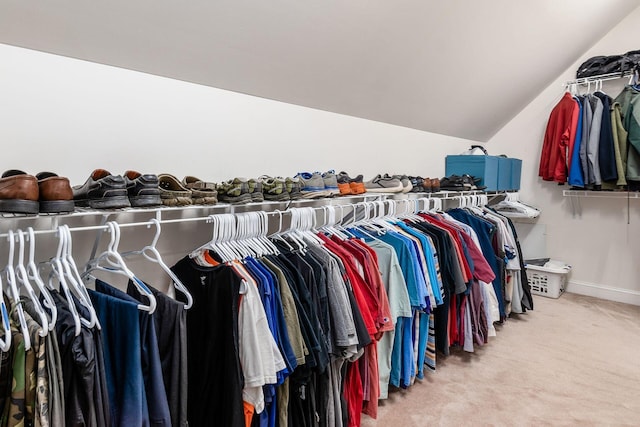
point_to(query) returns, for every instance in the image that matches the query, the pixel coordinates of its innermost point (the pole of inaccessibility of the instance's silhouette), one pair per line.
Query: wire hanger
(117, 265)
(151, 253)
(23, 281)
(14, 293)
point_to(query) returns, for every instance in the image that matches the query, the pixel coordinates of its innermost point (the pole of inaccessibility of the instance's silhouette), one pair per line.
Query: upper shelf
(601, 194)
(86, 216)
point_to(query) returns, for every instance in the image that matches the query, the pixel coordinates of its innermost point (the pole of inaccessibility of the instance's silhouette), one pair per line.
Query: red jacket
(561, 131)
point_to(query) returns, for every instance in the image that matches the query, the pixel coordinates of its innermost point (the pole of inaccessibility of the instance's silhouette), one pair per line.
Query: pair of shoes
(46, 192)
(461, 183)
(385, 184)
(202, 192)
(189, 191)
(316, 185)
(102, 190)
(274, 189)
(404, 180)
(238, 191)
(280, 189)
(418, 184)
(424, 185)
(294, 188)
(350, 186)
(435, 184)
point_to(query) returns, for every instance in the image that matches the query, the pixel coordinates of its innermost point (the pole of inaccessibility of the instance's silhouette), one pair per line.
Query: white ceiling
(456, 67)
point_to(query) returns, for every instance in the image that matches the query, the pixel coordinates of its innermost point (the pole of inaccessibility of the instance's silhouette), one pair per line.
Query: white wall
(70, 117)
(602, 248)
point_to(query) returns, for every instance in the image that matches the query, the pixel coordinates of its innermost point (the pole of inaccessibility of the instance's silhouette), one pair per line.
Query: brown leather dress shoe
(56, 195)
(18, 192)
(435, 185)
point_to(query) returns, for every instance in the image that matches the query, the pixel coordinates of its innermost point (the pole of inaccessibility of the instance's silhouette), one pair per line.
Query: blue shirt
(576, 177)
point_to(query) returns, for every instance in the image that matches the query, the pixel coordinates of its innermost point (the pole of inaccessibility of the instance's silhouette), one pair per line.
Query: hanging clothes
(171, 329)
(87, 401)
(561, 129)
(630, 115)
(215, 380)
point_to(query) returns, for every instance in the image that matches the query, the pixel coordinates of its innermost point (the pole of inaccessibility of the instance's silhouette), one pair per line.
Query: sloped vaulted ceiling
(456, 67)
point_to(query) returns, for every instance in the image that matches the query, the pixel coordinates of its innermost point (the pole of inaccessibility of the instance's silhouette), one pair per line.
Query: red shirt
(558, 139)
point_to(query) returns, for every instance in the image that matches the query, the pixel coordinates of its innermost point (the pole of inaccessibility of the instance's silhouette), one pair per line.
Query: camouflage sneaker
(274, 189)
(294, 188)
(234, 191)
(255, 190)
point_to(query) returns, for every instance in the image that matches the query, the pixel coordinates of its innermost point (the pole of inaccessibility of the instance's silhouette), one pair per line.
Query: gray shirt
(594, 140)
(587, 116)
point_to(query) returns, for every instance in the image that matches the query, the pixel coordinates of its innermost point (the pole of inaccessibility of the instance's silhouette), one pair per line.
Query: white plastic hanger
(262, 230)
(278, 235)
(273, 250)
(14, 294)
(34, 275)
(151, 253)
(117, 265)
(73, 278)
(5, 342)
(57, 271)
(330, 221)
(23, 282)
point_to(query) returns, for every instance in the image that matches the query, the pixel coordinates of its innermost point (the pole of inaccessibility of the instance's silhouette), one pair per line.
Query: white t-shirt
(259, 354)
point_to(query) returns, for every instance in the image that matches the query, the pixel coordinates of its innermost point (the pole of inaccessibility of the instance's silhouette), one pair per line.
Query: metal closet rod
(601, 77)
(105, 227)
(149, 222)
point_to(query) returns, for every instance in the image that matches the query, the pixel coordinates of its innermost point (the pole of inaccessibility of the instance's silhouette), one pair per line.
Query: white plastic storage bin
(549, 280)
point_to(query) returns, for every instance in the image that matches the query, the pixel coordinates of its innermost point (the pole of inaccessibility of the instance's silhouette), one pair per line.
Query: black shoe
(102, 191)
(142, 190)
(454, 183)
(473, 182)
(417, 184)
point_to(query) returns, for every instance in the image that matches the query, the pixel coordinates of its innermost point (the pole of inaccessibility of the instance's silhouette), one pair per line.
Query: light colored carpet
(572, 361)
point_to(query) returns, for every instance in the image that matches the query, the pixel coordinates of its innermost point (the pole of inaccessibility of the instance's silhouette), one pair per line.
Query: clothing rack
(273, 208)
(599, 78)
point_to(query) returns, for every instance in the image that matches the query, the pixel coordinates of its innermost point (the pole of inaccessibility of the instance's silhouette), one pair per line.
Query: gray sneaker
(404, 179)
(312, 185)
(331, 182)
(381, 184)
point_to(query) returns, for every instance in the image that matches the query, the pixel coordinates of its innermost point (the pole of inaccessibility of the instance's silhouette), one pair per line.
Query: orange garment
(210, 260)
(248, 413)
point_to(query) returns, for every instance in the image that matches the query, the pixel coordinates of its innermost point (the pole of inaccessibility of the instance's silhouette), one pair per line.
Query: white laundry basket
(548, 280)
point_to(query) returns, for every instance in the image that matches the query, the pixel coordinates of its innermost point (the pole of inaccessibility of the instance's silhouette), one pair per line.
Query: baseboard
(605, 292)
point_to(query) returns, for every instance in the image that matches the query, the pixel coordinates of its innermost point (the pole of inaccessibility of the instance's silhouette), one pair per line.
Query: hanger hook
(21, 246)
(11, 239)
(154, 221)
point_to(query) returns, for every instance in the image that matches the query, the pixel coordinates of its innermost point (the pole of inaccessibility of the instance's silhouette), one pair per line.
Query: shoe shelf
(93, 219)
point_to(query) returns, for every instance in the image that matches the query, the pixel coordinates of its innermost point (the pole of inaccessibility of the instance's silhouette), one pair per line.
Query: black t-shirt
(214, 371)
